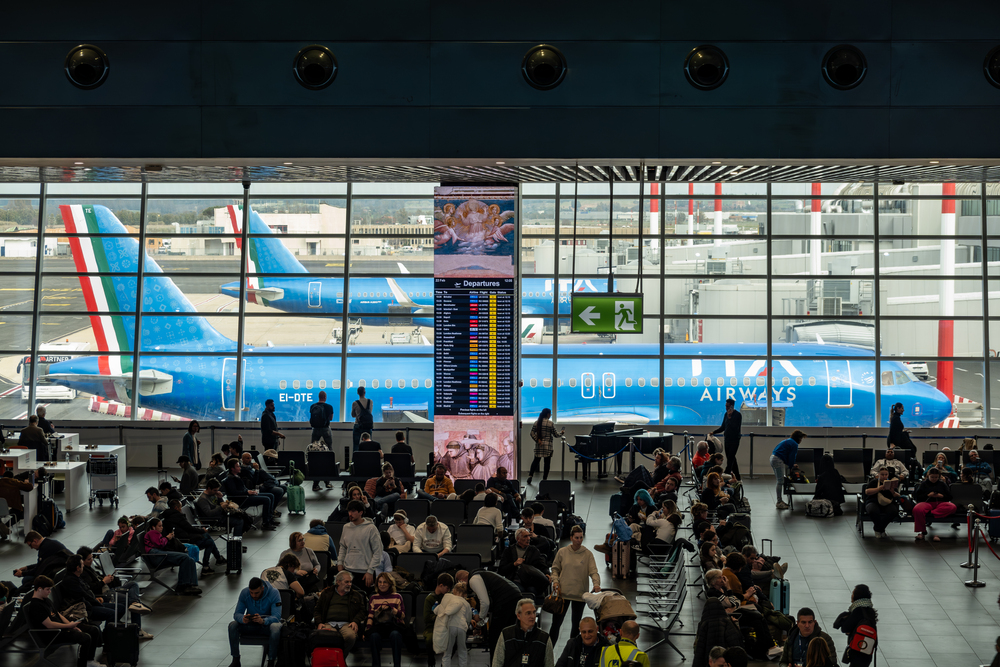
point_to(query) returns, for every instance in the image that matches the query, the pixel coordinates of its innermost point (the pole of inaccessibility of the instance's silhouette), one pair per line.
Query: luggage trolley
(102, 471)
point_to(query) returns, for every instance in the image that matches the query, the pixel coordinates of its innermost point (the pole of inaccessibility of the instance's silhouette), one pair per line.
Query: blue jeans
(111, 610)
(207, 546)
(395, 638)
(277, 492)
(386, 500)
(187, 574)
(778, 466)
(273, 632)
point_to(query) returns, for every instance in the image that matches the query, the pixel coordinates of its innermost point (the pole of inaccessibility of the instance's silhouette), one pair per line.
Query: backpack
(41, 525)
(819, 508)
(295, 476)
(365, 420)
(995, 500)
(738, 536)
(864, 639)
(572, 520)
(620, 530)
(317, 416)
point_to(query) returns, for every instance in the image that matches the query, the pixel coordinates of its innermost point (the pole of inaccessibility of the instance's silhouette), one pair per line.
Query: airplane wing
(151, 382)
(415, 418)
(402, 269)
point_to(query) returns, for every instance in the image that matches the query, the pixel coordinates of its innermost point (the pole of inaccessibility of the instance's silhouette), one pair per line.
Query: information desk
(84, 452)
(74, 474)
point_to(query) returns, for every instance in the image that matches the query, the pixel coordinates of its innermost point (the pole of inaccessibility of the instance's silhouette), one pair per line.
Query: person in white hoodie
(432, 537)
(360, 550)
(453, 617)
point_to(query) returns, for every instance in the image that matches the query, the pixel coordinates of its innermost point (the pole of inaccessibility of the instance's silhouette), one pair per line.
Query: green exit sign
(607, 313)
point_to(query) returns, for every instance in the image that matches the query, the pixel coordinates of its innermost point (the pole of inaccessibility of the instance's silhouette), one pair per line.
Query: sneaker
(145, 635)
(190, 590)
(881, 535)
(207, 570)
(529, 479)
(139, 608)
(779, 570)
(316, 486)
(219, 560)
(620, 481)
(781, 505)
(329, 486)
(269, 526)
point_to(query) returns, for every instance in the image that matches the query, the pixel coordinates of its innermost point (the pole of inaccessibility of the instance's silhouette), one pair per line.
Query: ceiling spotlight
(315, 67)
(991, 67)
(78, 163)
(501, 163)
(706, 67)
(935, 162)
(287, 164)
(543, 67)
(716, 163)
(86, 66)
(844, 67)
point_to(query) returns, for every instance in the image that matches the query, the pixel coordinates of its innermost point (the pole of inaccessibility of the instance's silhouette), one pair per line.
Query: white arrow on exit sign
(589, 316)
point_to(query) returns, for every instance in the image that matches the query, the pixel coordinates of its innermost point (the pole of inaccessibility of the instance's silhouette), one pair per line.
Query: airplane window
(559, 382)
(414, 383)
(427, 383)
(374, 384)
(721, 382)
(322, 384)
(588, 381)
(295, 384)
(707, 382)
(411, 295)
(887, 378)
(546, 382)
(785, 382)
(309, 384)
(798, 381)
(364, 294)
(761, 381)
(283, 385)
(524, 294)
(812, 382)
(340, 295)
(654, 382)
(901, 377)
(361, 383)
(746, 382)
(642, 382)
(668, 382)
(572, 382)
(732, 381)
(774, 380)
(694, 382)
(388, 384)
(609, 380)
(680, 382)
(628, 382)
(533, 383)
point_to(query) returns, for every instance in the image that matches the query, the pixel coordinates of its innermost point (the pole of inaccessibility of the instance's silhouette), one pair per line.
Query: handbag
(76, 612)
(883, 500)
(555, 604)
(384, 616)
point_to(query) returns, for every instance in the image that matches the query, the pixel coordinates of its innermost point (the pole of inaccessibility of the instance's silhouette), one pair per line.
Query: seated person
(211, 504)
(118, 541)
(437, 486)
(40, 615)
(667, 490)
(386, 620)
(665, 525)
(881, 501)
(76, 588)
(51, 558)
(717, 587)
(401, 447)
(284, 577)
(489, 514)
(507, 489)
(541, 542)
(981, 469)
(107, 589)
(307, 573)
(342, 611)
(258, 614)
(941, 463)
(237, 491)
(10, 490)
(216, 466)
(714, 498)
(369, 445)
(895, 466)
(540, 520)
(932, 497)
(256, 477)
(716, 632)
(711, 558)
(432, 537)
(169, 492)
(761, 568)
(175, 522)
(354, 492)
(701, 454)
(830, 485)
(524, 564)
(157, 545)
(714, 461)
(159, 502)
(388, 489)
(401, 535)
(479, 493)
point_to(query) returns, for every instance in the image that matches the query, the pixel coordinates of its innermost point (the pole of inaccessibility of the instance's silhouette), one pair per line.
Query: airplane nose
(938, 407)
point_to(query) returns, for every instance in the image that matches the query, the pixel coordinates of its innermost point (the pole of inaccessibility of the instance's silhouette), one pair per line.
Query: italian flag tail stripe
(98, 291)
(253, 282)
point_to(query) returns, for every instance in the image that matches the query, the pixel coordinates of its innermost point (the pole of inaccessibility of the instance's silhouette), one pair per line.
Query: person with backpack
(320, 416)
(859, 623)
(364, 422)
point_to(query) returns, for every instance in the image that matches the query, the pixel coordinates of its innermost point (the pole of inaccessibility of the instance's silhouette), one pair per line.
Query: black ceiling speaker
(844, 67)
(991, 67)
(543, 67)
(315, 67)
(87, 66)
(706, 67)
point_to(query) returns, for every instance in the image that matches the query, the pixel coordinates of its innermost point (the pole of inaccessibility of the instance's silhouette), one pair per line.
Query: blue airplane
(289, 287)
(189, 368)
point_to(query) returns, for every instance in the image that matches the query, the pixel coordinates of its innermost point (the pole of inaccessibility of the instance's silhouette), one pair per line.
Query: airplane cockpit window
(887, 379)
(547, 382)
(654, 382)
(295, 384)
(283, 385)
(901, 377)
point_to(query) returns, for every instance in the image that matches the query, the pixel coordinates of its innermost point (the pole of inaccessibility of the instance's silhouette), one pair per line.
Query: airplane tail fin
(114, 295)
(266, 254)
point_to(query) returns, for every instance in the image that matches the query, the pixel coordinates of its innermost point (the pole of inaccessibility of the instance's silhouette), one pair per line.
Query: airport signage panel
(607, 313)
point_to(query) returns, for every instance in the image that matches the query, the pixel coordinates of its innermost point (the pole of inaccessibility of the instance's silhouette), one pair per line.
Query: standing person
(543, 433)
(48, 428)
(192, 444)
(584, 650)
(932, 497)
(524, 643)
(860, 613)
(782, 457)
(386, 620)
(452, 625)
(444, 584)
(258, 614)
(626, 650)
(574, 572)
(360, 549)
(364, 422)
(899, 436)
(498, 600)
(42, 616)
(320, 416)
(732, 425)
(33, 437)
(269, 433)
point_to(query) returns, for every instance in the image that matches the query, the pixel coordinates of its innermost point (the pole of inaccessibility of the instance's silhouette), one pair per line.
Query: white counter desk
(19, 460)
(74, 474)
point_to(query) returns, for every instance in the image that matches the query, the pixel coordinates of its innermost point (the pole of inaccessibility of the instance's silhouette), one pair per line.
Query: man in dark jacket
(932, 497)
(340, 614)
(732, 425)
(269, 433)
(584, 650)
(238, 492)
(716, 628)
(52, 555)
(33, 437)
(256, 477)
(523, 643)
(806, 630)
(175, 522)
(518, 554)
(497, 599)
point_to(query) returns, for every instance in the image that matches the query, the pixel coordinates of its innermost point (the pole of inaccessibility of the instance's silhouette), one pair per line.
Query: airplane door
(229, 385)
(314, 296)
(839, 391)
(587, 385)
(608, 388)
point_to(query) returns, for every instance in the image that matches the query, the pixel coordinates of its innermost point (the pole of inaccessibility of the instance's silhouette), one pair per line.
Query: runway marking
(13, 389)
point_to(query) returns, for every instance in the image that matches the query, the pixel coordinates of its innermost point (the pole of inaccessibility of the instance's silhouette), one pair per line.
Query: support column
(815, 230)
(717, 230)
(946, 325)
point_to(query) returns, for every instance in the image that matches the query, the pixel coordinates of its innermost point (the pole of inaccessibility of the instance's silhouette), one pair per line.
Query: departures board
(475, 329)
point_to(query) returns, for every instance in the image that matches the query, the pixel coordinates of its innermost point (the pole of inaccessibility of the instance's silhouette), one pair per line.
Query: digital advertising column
(475, 328)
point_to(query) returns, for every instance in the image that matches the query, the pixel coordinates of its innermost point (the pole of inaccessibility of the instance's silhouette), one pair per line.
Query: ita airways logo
(624, 316)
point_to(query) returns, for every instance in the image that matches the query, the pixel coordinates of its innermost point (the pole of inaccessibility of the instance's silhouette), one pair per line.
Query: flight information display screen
(475, 337)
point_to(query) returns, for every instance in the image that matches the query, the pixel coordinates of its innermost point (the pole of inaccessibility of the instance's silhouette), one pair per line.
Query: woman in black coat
(860, 612)
(715, 629)
(829, 484)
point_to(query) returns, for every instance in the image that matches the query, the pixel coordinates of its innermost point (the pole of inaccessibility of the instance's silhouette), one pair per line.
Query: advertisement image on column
(475, 326)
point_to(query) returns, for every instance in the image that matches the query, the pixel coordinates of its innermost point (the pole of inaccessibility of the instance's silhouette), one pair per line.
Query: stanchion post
(687, 458)
(968, 524)
(631, 451)
(975, 583)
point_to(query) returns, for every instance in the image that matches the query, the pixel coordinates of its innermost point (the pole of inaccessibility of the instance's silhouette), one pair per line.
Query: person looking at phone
(882, 501)
(258, 614)
(42, 616)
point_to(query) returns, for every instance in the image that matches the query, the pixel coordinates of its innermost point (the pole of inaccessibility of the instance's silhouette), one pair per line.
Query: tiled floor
(926, 615)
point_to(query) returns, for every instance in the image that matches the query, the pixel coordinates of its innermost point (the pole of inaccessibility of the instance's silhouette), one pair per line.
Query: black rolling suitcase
(121, 641)
(234, 554)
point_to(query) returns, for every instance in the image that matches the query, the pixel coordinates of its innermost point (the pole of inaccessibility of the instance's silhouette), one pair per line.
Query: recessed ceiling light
(735, 172)
(716, 163)
(935, 161)
(77, 163)
(501, 163)
(287, 164)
